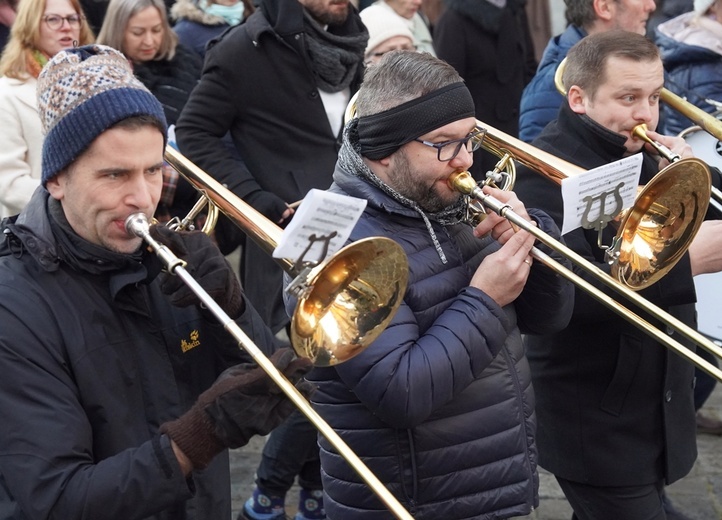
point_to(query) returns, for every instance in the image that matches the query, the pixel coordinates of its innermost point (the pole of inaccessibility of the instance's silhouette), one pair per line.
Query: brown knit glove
(206, 264)
(243, 402)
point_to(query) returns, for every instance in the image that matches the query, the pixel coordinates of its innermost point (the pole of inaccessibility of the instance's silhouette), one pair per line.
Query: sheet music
(594, 183)
(320, 215)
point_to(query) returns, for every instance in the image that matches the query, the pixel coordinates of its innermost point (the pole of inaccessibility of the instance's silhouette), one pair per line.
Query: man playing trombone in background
(108, 402)
(616, 413)
(440, 405)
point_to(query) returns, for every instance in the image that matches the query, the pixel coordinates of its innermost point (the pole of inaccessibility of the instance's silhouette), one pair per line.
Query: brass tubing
(464, 183)
(175, 266)
(640, 132)
(707, 122)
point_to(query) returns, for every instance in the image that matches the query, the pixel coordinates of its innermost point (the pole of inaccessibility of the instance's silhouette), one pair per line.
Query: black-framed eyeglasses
(55, 21)
(447, 150)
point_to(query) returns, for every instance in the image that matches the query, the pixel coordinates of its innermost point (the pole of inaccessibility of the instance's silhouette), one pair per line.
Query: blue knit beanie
(81, 93)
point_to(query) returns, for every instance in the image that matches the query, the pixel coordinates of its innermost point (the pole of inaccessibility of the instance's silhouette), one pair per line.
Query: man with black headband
(279, 84)
(440, 406)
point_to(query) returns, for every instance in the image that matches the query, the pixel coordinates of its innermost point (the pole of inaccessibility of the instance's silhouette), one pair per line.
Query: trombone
(344, 303)
(652, 206)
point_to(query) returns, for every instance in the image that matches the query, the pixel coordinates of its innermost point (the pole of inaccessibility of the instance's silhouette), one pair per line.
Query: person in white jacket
(41, 29)
(408, 12)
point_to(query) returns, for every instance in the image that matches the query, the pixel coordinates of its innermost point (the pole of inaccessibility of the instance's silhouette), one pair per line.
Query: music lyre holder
(603, 218)
(299, 286)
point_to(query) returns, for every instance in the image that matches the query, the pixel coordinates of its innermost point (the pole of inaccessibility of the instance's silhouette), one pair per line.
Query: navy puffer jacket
(440, 406)
(692, 72)
(541, 100)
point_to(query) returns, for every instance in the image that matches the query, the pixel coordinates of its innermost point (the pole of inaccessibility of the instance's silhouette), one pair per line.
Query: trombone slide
(137, 224)
(464, 183)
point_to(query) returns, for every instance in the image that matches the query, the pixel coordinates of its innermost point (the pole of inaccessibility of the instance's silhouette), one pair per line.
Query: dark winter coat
(440, 406)
(692, 72)
(171, 81)
(541, 100)
(492, 50)
(94, 359)
(258, 84)
(615, 407)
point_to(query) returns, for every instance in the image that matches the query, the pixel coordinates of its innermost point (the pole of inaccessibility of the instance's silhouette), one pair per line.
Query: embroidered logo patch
(192, 343)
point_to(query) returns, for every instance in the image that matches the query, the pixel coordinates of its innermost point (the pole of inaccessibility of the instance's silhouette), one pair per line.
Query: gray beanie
(81, 93)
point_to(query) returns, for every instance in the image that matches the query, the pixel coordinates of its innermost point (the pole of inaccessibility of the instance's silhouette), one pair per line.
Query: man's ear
(577, 100)
(56, 186)
(380, 167)
(604, 9)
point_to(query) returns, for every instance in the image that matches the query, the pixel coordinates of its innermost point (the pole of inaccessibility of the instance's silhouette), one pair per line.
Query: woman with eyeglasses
(41, 29)
(140, 30)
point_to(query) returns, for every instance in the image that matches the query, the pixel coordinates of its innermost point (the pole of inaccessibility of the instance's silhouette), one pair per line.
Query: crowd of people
(122, 393)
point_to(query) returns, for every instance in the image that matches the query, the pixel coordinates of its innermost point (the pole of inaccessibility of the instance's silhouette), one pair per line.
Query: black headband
(382, 134)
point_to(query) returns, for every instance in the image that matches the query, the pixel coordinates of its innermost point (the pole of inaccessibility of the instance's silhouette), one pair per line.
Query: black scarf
(336, 58)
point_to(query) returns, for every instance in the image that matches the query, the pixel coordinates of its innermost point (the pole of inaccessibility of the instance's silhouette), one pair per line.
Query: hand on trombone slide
(503, 274)
(501, 228)
(243, 402)
(677, 145)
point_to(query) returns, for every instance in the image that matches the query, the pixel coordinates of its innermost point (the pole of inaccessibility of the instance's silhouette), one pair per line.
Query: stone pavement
(699, 495)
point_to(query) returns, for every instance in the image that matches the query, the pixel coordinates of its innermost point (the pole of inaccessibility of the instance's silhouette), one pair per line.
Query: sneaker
(245, 514)
(310, 505)
(263, 506)
(709, 425)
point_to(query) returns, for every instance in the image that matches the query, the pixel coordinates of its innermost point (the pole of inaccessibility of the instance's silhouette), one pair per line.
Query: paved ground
(699, 495)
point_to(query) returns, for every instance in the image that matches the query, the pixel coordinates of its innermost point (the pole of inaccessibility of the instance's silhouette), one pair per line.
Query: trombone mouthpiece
(462, 182)
(137, 224)
(640, 132)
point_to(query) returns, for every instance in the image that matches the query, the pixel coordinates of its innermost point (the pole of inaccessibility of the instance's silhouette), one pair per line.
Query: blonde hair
(25, 36)
(119, 13)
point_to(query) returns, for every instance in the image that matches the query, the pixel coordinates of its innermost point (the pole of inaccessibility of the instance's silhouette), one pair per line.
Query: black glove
(271, 205)
(243, 402)
(206, 264)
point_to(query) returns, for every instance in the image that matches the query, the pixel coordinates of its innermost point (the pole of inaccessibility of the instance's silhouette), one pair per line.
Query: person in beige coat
(41, 29)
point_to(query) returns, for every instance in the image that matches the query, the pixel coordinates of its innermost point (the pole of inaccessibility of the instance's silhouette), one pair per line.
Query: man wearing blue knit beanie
(119, 394)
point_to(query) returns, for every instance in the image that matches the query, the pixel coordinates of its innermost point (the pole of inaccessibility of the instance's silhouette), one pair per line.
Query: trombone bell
(366, 279)
(658, 229)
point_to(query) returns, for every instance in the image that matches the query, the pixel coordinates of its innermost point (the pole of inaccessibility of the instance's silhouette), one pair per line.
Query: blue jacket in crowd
(692, 72)
(541, 100)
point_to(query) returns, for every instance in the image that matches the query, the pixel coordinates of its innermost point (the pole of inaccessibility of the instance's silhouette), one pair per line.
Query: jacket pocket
(628, 359)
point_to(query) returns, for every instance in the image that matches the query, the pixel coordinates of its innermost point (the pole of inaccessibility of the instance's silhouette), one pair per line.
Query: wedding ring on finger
(527, 262)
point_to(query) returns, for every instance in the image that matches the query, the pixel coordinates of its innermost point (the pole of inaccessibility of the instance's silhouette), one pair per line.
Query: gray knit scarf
(350, 160)
(336, 58)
